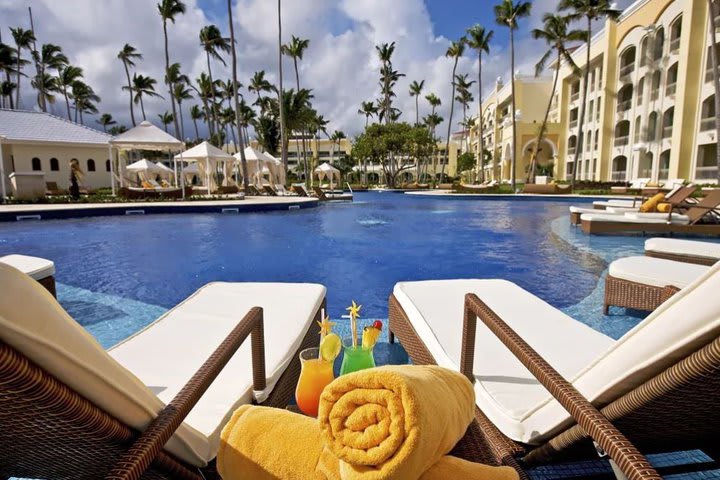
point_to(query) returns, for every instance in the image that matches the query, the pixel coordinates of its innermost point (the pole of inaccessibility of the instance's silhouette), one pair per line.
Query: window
(672, 78)
(597, 140)
(675, 34)
(668, 119)
(652, 127)
(656, 80)
(597, 110)
(646, 165)
(708, 114)
(641, 90)
(36, 165)
(644, 52)
(622, 133)
(659, 46)
(665, 165)
(708, 67)
(625, 98)
(91, 165)
(572, 145)
(107, 165)
(627, 62)
(588, 143)
(638, 124)
(619, 169)
(54, 165)
(590, 111)
(573, 117)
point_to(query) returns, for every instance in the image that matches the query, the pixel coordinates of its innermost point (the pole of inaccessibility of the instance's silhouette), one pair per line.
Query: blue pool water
(117, 274)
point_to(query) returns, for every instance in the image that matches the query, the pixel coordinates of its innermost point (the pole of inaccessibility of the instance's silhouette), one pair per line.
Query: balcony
(575, 97)
(622, 141)
(706, 173)
(627, 70)
(618, 176)
(655, 94)
(707, 124)
(671, 89)
(573, 123)
(664, 174)
(572, 150)
(624, 106)
(667, 132)
(675, 45)
(709, 75)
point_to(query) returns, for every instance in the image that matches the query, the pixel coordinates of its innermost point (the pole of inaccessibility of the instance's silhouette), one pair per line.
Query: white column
(207, 174)
(112, 169)
(2, 174)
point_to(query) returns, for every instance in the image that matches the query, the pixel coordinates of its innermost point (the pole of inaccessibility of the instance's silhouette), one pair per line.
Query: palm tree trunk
(713, 13)
(543, 126)
(170, 86)
(417, 109)
(9, 96)
(19, 76)
(132, 111)
(243, 160)
(67, 101)
(479, 167)
(142, 108)
(283, 133)
(81, 117)
(216, 124)
(514, 120)
(581, 120)
(449, 129)
(182, 121)
(197, 132)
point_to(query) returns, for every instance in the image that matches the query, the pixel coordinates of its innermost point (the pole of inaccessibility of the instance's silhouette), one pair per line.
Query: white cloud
(340, 66)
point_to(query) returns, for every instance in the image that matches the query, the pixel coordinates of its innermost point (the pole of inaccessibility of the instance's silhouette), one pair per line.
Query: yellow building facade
(650, 110)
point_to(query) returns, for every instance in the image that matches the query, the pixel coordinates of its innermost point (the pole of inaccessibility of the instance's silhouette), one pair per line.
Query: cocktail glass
(356, 358)
(315, 375)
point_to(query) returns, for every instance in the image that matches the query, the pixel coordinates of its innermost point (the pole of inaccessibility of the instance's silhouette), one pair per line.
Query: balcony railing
(706, 173)
(622, 141)
(575, 97)
(573, 123)
(618, 176)
(646, 173)
(572, 150)
(667, 132)
(627, 70)
(675, 45)
(655, 94)
(707, 124)
(709, 75)
(624, 106)
(671, 89)
(664, 173)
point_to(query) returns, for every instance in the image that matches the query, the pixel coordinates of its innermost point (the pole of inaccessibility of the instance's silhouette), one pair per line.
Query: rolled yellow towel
(394, 421)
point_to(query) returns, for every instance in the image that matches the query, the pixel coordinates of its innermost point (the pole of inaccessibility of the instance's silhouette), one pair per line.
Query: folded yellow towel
(394, 421)
(262, 443)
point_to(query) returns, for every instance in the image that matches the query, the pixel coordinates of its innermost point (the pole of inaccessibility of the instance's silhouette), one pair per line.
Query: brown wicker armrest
(667, 292)
(139, 457)
(629, 459)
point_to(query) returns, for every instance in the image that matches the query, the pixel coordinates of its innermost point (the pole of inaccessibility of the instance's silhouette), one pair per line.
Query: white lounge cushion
(32, 322)
(505, 390)
(617, 203)
(690, 248)
(38, 268)
(574, 209)
(605, 370)
(634, 218)
(167, 353)
(656, 272)
(619, 210)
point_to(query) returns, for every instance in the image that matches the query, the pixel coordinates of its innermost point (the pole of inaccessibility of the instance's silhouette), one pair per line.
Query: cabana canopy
(327, 171)
(257, 164)
(207, 156)
(166, 171)
(145, 166)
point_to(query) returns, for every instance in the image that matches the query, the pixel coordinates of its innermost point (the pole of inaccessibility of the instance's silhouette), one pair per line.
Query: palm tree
(507, 14)
(24, 40)
(128, 55)
(142, 86)
(415, 91)
(166, 119)
(368, 109)
(432, 121)
(8, 64)
(479, 40)
(556, 34)
(713, 14)
(106, 120)
(182, 93)
(296, 49)
(67, 76)
(590, 10)
(454, 51)
(297, 114)
(168, 10)
(259, 84)
(205, 91)
(46, 86)
(85, 99)
(6, 91)
(236, 87)
(336, 138)
(50, 56)
(434, 102)
(213, 43)
(388, 79)
(465, 98)
(196, 114)
(281, 103)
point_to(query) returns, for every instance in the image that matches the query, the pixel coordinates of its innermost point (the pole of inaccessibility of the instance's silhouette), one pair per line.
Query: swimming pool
(117, 274)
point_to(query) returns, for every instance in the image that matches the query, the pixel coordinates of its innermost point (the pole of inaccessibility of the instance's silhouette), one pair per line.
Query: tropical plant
(479, 38)
(267, 130)
(117, 130)
(336, 138)
(454, 51)
(67, 76)
(590, 11)
(388, 79)
(168, 10)
(213, 43)
(259, 84)
(106, 120)
(7, 88)
(297, 114)
(368, 109)
(8, 64)
(128, 55)
(196, 114)
(49, 56)
(296, 49)
(557, 35)
(143, 86)
(166, 119)
(182, 93)
(247, 117)
(416, 89)
(24, 40)
(465, 98)
(507, 14)
(85, 99)
(46, 87)
(236, 87)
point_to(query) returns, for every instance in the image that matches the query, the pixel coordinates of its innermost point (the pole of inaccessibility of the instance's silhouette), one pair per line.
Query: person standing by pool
(76, 175)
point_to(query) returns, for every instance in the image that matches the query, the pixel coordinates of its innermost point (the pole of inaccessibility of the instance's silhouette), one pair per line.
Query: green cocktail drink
(356, 358)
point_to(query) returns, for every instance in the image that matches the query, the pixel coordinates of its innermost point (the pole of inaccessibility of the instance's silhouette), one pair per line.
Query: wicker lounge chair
(300, 190)
(70, 409)
(698, 218)
(657, 384)
(252, 191)
(332, 197)
(644, 283)
(39, 269)
(690, 251)
(547, 189)
(270, 191)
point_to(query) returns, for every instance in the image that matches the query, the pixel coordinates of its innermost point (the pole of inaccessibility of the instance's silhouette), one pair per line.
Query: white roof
(326, 168)
(144, 166)
(252, 154)
(204, 150)
(25, 126)
(147, 136)
(163, 167)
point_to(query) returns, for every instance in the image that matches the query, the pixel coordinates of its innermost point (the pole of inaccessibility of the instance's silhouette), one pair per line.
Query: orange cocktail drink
(315, 375)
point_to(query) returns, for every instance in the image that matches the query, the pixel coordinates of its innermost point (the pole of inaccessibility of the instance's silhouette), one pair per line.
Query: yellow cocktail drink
(315, 375)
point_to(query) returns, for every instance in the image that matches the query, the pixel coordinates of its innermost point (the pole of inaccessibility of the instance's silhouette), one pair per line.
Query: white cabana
(166, 172)
(276, 168)
(327, 171)
(145, 136)
(256, 165)
(207, 157)
(145, 169)
(190, 171)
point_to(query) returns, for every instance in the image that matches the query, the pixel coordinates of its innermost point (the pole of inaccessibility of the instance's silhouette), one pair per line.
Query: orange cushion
(651, 204)
(147, 185)
(664, 207)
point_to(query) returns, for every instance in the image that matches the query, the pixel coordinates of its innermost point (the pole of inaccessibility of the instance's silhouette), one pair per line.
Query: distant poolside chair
(269, 190)
(546, 189)
(70, 409)
(300, 190)
(327, 196)
(658, 383)
(252, 191)
(690, 251)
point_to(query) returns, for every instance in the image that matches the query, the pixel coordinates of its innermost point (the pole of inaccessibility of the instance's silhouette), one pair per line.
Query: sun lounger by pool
(300, 190)
(698, 218)
(690, 251)
(644, 283)
(253, 191)
(269, 190)
(329, 197)
(658, 383)
(70, 409)
(39, 269)
(546, 189)
(635, 186)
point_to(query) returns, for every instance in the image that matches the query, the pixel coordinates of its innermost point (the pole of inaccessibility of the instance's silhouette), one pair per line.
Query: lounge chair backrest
(679, 194)
(639, 182)
(33, 323)
(708, 203)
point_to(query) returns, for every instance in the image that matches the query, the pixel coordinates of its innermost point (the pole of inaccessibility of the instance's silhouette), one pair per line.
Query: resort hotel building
(650, 111)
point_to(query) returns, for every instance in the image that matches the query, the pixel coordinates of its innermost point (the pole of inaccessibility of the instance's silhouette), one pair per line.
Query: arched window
(652, 127)
(627, 62)
(572, 145)
(675, 34)
(659, 46)
(588, 142)
(619, 169)
(672, 78)
(665, 165)
(36, 165)
(656, 80)
(597, 139)
(708, 114)
(708, 65)
(625, 98)
(91, 165)
(107, 165)
(668, 120)
(644, 52)
(622, 133)
(54, 165)
(638, 124)
(640, 90)
(646, 165)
